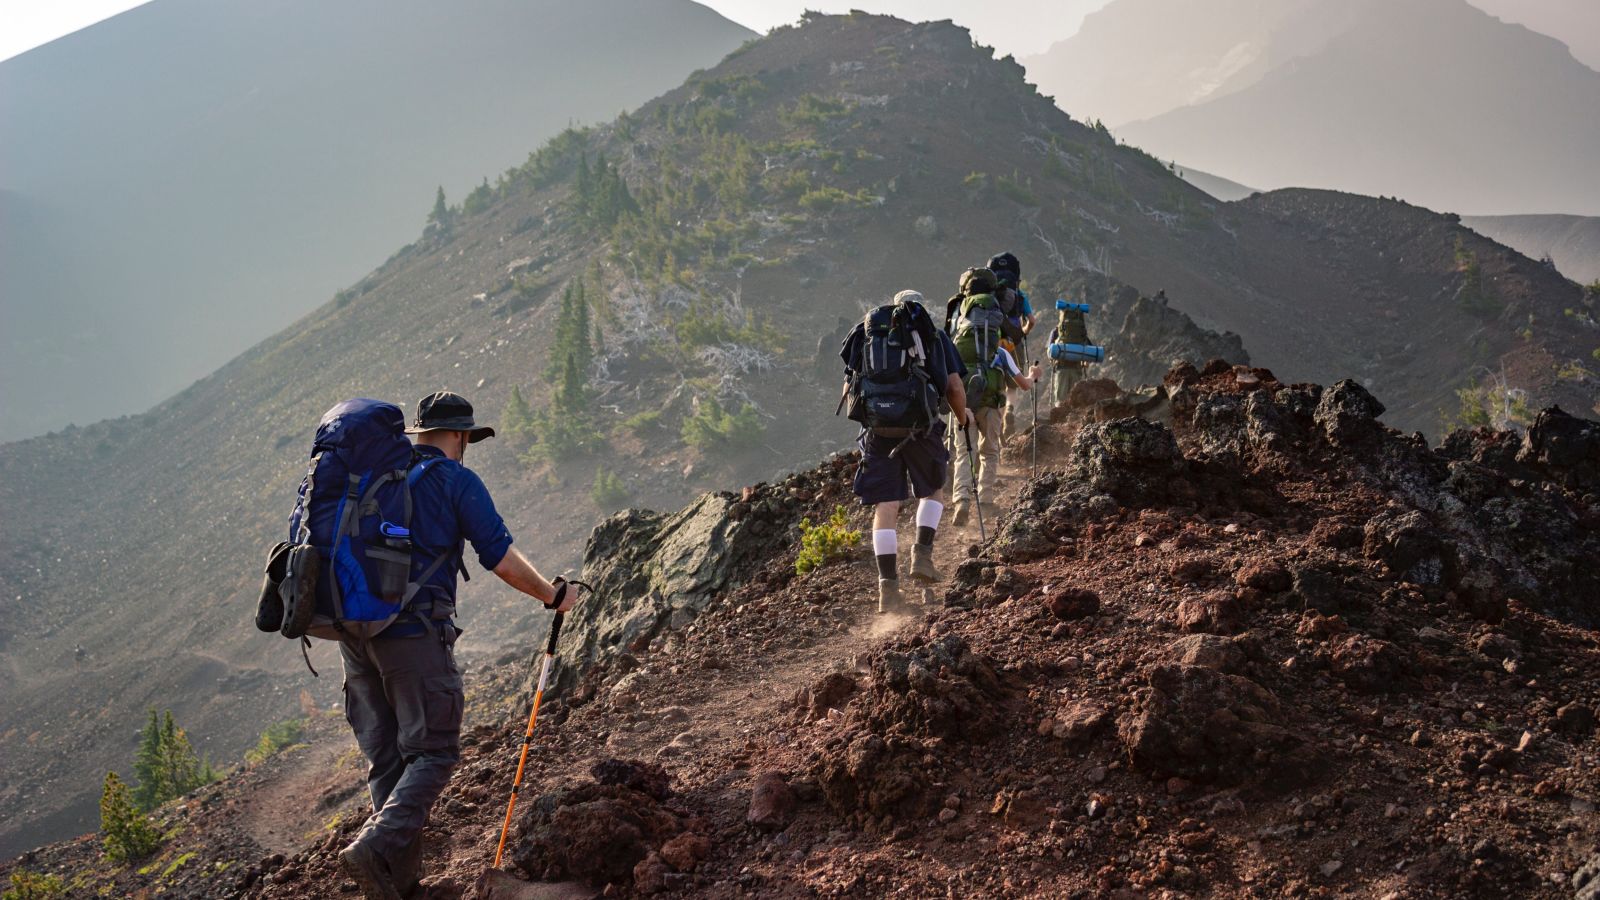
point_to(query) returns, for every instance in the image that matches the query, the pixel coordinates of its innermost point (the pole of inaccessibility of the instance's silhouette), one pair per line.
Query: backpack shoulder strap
(420, 466)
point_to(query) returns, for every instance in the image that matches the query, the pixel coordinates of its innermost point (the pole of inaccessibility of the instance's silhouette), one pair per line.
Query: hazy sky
(25, 24)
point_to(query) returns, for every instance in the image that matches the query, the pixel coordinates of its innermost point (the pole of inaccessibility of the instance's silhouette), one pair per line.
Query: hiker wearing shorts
(403, 691)
(894, 468)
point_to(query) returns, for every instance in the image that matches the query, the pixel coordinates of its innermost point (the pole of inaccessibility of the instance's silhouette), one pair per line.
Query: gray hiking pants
(403, 698)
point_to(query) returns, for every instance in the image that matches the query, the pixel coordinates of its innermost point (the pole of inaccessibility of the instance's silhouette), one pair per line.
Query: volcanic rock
(1204, 725)
(772, 803)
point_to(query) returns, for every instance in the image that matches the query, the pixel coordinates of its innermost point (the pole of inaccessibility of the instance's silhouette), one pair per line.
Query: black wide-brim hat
(448, 411)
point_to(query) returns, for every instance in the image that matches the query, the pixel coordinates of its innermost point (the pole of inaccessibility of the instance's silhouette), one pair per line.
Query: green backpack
(979, 326)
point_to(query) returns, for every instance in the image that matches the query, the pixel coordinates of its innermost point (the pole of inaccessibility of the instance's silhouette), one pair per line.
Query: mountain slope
(193, 162)
(1137, 59)
(1575, 24)
(722, 233)
(1378, 107)
(1221, 188)
(1573, 242)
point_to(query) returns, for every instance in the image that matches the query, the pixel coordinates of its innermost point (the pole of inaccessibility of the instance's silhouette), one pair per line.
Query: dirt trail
(304, 791)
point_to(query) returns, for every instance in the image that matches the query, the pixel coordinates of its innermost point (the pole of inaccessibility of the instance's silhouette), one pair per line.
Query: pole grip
(555, 632)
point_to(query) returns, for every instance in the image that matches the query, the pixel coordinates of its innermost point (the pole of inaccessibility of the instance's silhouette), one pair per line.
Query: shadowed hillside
(192, 163)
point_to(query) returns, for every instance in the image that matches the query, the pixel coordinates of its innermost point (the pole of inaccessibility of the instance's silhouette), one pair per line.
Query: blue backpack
(345, 572)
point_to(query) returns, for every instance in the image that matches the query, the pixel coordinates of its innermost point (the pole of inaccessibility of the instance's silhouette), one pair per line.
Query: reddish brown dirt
(1258, 705)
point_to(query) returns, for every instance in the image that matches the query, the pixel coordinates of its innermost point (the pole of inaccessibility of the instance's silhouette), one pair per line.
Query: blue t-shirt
(450, 507)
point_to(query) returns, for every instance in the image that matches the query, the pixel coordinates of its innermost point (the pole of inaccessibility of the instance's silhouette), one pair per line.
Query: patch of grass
(27, 885)
(828, 198)
(176, 864)
(275, 739)
(1573, 371)
(829, 542)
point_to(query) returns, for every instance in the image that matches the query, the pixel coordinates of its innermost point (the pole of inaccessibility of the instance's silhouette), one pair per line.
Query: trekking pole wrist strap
(560, 584)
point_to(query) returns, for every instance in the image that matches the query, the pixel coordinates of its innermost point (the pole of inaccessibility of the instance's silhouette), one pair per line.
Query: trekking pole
(972, 473)
(1034, 432)
(533, 716)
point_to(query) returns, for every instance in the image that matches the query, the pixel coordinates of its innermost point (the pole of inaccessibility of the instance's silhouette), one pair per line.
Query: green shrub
(26, 885)
(277, 738)
(705, 324)
(828, 197)
(129, 833)
(811, 109)
(608, 491)
(713, 427)
(643, 424)
(832, 541)
(1015, 190)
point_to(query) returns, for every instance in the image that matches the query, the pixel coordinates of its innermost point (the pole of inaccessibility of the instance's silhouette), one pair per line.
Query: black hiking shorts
(920, 461)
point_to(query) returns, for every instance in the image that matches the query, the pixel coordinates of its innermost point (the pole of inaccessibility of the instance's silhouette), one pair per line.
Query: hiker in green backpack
(1020, 321)
(976, 324)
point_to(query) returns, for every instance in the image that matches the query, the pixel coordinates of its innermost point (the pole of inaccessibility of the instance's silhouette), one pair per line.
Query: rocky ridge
(1264, 647)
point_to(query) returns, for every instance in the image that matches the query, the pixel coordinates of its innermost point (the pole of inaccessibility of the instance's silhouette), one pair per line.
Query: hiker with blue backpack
(1071, 351)
(978, 328)
(901, 373)
(376, 541)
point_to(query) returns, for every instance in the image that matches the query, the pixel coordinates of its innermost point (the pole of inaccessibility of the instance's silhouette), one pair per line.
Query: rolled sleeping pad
(1079, 307)
(1077, 353)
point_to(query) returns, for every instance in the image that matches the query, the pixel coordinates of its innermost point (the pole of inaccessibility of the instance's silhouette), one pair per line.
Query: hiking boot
(369, 871)
(889, 597)
(922, 569)
(959, 515)
(407, 867)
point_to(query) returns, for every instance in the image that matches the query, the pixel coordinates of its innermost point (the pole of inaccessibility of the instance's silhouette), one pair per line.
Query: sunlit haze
(25, 24)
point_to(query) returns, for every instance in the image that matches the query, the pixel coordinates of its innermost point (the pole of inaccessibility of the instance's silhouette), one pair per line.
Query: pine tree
(166, 765)
(518, 416)
(148, 769)
(585, 180)
(440, 215)
(580, 347)
(129, 833)
(184, 771)
(572, 393)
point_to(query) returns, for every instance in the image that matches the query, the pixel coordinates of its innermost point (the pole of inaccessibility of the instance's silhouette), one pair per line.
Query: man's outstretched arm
(516, 571)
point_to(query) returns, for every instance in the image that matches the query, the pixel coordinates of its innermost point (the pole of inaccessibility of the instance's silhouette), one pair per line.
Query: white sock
(928, 513)
(883, 542)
